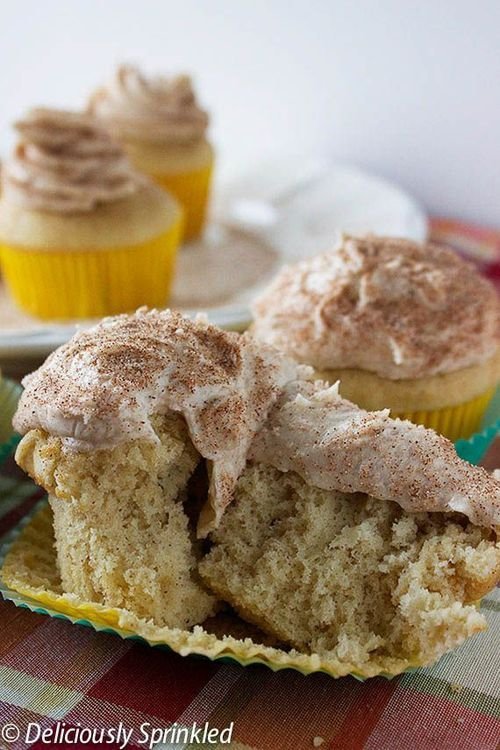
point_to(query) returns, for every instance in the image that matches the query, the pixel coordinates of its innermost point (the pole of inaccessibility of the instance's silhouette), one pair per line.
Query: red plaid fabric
(53, 673)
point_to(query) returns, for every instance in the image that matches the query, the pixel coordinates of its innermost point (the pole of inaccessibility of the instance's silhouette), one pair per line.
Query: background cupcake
(406, 326)
(163, 129)
(82, 234)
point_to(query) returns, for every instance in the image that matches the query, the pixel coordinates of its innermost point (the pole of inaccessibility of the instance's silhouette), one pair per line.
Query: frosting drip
(65, 163)
(389, 306)
(155, 109)
(103, 386)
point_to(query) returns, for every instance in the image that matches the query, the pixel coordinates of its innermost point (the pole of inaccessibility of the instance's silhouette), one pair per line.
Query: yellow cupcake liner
(192, 190)
(454, 422)
(29, 578)
(68, 284)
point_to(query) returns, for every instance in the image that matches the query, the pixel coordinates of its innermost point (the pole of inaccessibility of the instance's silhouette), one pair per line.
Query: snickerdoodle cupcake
(361, 541)
(409, 327)
(163, 128)
(82, 234)
(115, 423)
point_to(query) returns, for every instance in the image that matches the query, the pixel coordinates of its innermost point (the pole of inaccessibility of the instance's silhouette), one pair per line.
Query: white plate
(311, 206)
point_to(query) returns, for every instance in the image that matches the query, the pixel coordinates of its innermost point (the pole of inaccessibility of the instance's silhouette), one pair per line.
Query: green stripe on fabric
(40, 697)
(490, 605)
(465, 696)
(13, 492)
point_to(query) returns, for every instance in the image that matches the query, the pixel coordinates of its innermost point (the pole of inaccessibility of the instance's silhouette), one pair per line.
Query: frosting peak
(385, 305)
(65, 162)
(155, 109)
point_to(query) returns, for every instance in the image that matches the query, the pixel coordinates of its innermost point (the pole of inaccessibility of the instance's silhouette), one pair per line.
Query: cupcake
(116, 422)
(82, 234)
(361, 541)
(163, 129)
(409, 327)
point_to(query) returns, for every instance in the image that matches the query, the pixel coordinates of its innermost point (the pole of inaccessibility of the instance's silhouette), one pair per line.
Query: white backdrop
(409, 90)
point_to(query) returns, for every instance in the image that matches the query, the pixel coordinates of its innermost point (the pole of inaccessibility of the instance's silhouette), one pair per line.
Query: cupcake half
(163, 129)
(409, 327)
(82, 234)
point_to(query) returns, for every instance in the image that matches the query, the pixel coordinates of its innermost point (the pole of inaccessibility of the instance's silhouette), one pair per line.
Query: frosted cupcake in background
(82, 234)
(410, 327)
(163, 129)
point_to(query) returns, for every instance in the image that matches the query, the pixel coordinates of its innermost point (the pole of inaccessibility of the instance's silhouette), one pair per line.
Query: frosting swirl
(155, 109)
(389, 306)
(65, 163)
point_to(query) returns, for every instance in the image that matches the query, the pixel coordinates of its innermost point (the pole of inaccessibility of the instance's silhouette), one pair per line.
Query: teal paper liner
(475, 448)
(9, 396)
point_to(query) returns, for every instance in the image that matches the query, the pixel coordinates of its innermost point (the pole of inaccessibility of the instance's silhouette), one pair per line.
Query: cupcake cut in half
(356, 537)
(410, 327)
(81, 233)
(163, 129)
(343, 533)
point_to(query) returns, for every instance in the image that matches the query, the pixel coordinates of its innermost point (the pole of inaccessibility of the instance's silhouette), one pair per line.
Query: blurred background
(407, 90)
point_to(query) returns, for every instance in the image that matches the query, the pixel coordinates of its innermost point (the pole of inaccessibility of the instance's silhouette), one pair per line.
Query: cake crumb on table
(318, 741)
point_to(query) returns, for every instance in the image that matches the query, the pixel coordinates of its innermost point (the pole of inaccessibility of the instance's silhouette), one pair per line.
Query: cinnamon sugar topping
(389, 306)
(242, 401)
(103, 386)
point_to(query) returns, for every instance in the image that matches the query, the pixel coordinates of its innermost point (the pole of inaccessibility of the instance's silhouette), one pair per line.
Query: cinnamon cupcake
(82, 234)
(362, 542)
(409, 327)
(163, 129)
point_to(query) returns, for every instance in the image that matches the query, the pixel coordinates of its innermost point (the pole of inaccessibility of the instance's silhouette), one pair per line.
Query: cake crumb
(455, 687)
(318, 741)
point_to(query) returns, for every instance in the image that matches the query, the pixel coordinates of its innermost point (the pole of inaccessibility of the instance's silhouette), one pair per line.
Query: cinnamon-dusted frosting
(66, 163)
(389, 306)
(156, 109)
(242, 400)
(334, 445)
(103, 386)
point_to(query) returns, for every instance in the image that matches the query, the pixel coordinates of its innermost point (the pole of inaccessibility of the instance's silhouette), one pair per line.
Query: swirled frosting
(64, 163)
(389, 306)
(103, 386)
(155, 109)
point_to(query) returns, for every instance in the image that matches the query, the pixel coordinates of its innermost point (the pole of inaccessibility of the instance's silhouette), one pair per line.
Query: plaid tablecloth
(57, 676)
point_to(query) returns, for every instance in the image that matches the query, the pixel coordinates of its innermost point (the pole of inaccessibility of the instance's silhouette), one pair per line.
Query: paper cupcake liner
(28, 576)
(59, 284)
(454, 422)
(476, 446)
(192, 190)
(9, 396)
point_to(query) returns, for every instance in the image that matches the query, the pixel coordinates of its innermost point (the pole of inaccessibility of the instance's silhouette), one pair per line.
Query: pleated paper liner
(192, 190)
(475, 448)
(29, 578)
(67, 284)
(9, 396)
(455, 422)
